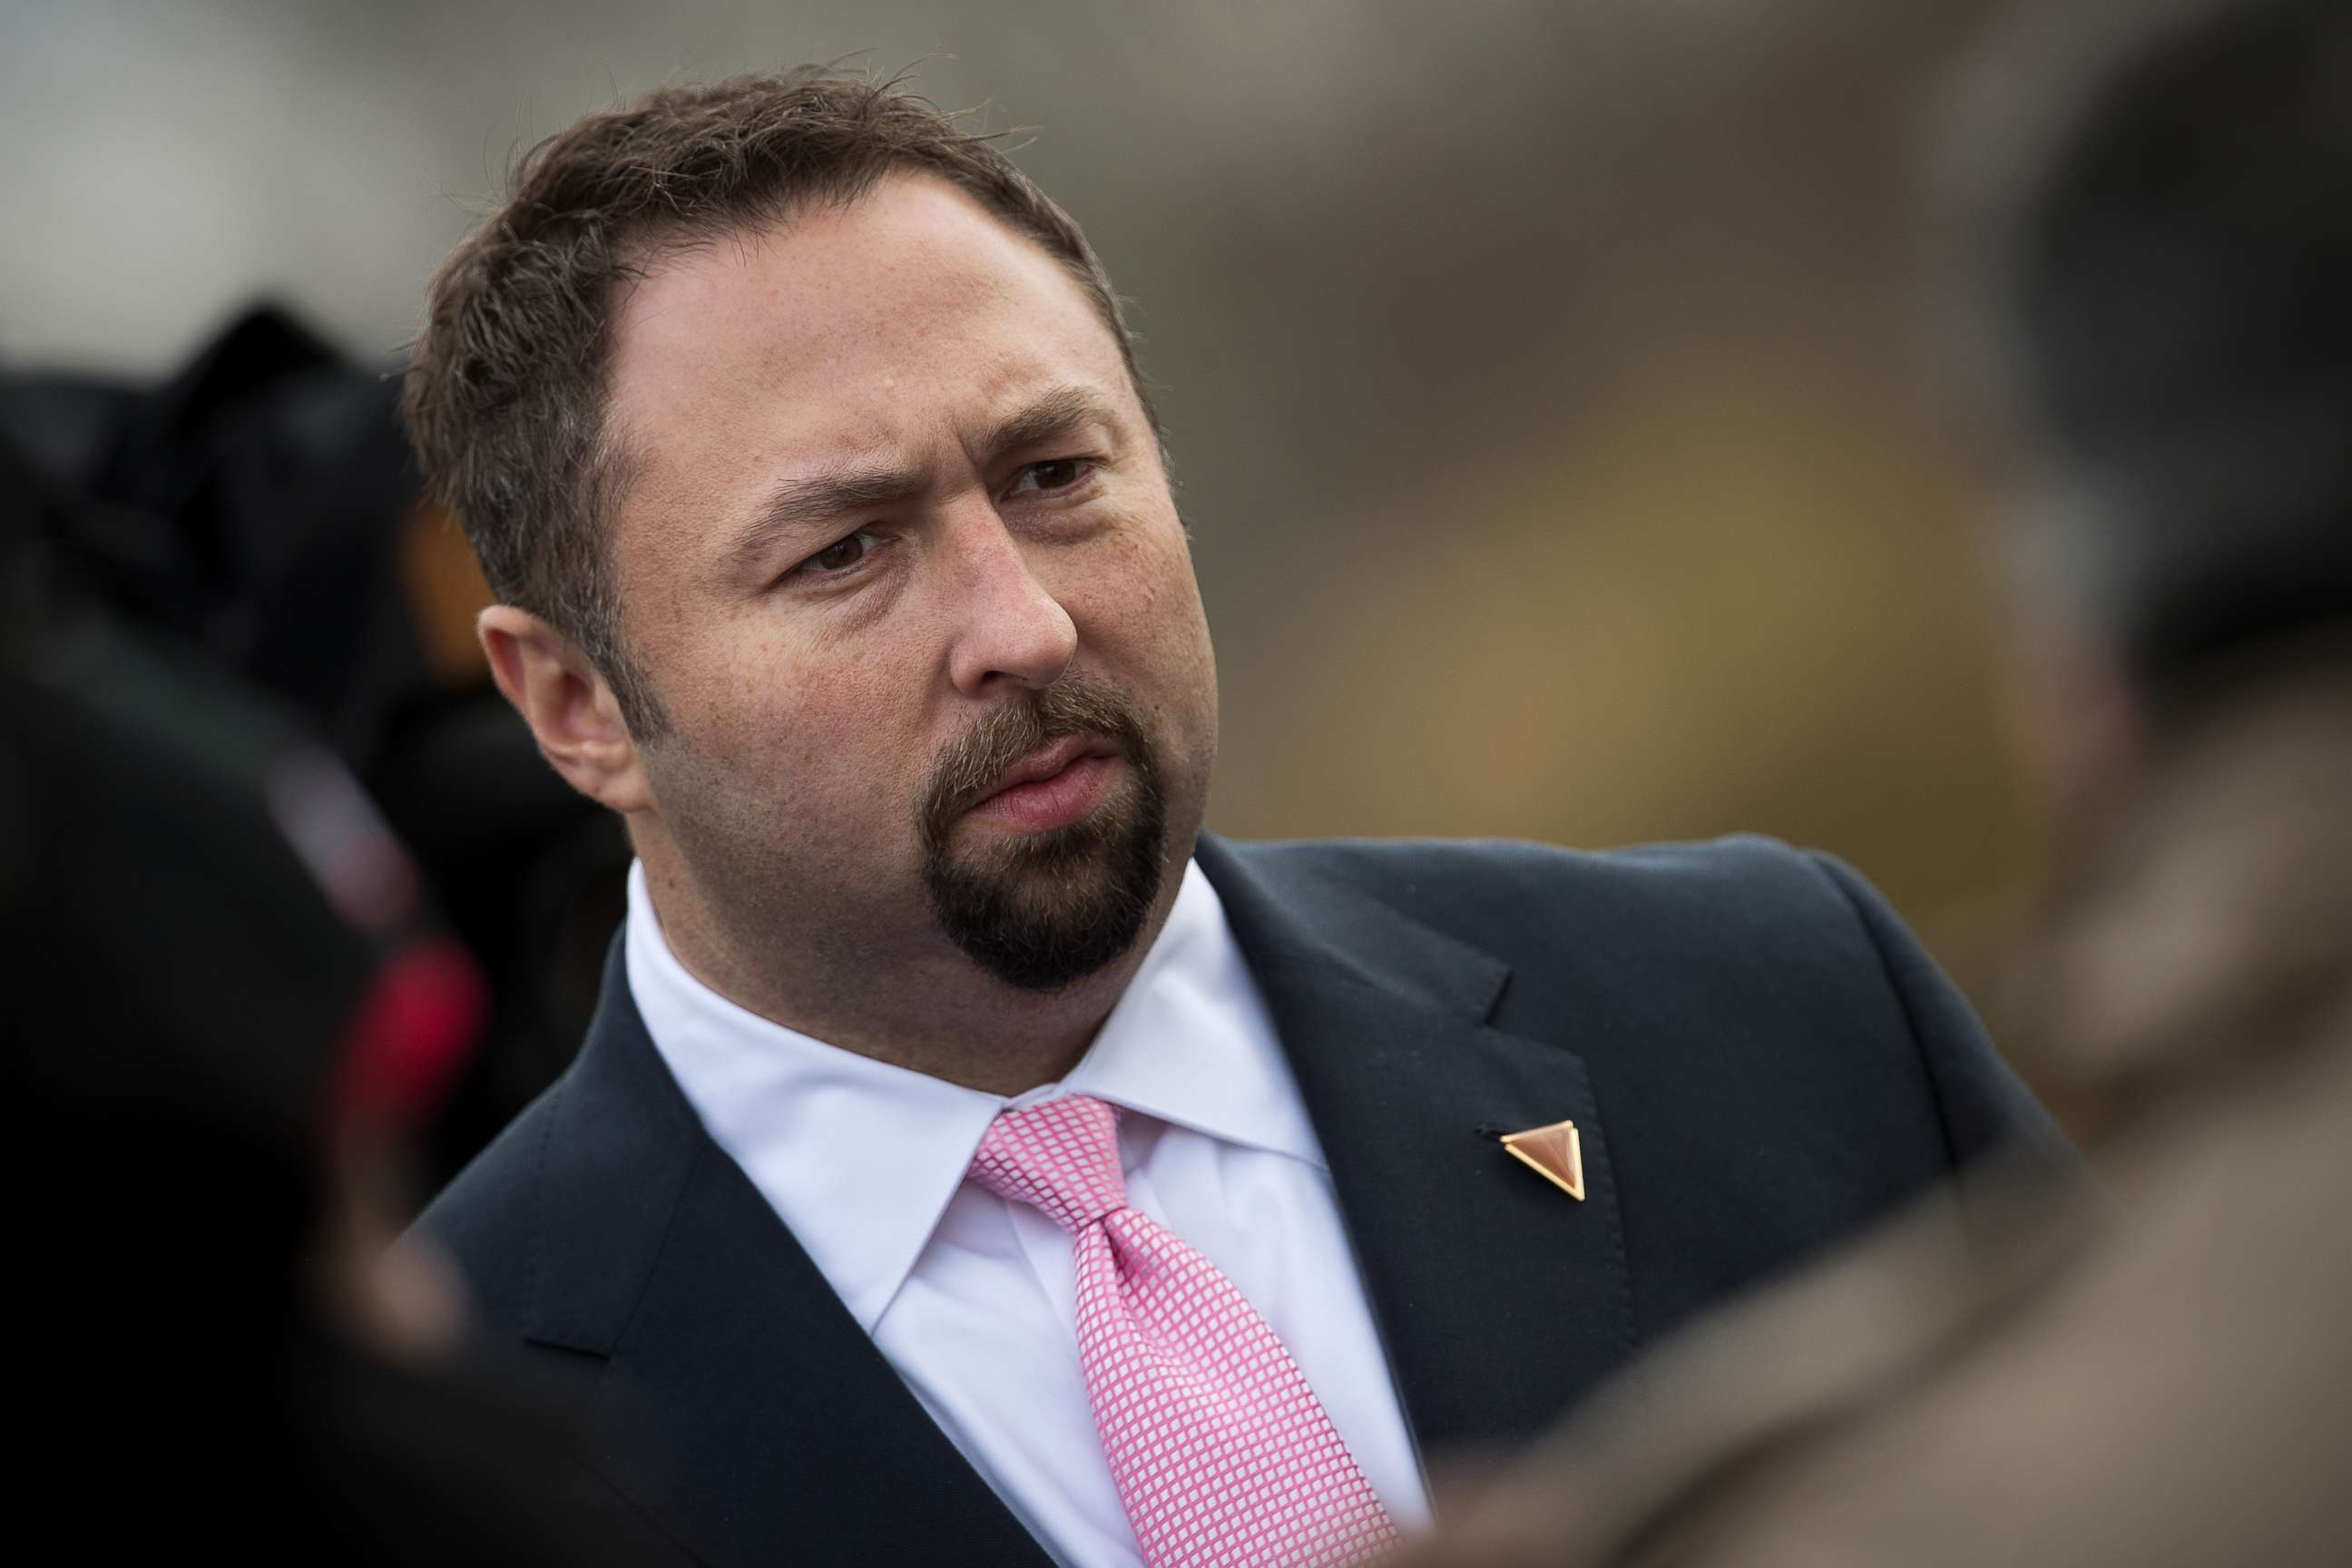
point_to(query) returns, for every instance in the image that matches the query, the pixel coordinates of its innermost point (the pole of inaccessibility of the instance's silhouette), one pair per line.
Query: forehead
(886, 327)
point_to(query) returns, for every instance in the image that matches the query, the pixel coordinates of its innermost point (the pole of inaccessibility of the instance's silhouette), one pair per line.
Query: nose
(1009, 627)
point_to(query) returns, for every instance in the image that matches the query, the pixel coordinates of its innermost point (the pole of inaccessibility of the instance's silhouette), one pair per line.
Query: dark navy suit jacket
(1759, 1059)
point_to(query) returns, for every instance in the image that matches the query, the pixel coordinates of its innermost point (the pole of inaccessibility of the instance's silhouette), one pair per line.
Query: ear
(569, 709)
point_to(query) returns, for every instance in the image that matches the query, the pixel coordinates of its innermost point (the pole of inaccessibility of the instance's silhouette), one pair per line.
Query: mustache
(969, 767)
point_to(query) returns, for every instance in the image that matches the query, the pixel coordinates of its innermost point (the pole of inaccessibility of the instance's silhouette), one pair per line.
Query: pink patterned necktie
(1222, 1453)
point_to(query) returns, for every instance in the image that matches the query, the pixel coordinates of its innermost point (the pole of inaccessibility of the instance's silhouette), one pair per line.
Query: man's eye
(841, 554)
(1056, 474)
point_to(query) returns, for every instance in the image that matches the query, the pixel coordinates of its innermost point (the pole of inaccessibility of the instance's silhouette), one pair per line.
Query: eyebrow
(1051, 417)
(807, 503)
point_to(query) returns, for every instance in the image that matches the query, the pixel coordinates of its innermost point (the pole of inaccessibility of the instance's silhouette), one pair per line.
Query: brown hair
(504, 395)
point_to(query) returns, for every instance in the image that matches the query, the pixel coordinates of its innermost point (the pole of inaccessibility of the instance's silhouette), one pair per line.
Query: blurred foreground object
(227, 1023)
(2172, 190)
(258, 510)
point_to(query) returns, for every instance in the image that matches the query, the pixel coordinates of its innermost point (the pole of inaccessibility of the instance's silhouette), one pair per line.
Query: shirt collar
(860, 1158)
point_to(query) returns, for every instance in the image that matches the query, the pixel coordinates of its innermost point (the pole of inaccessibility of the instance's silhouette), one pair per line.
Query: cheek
(823, 728)
(1134, 587)
(1138, 607)
(1172, 597)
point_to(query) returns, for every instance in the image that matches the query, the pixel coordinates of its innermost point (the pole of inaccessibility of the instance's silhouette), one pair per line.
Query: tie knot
(1061, 1155)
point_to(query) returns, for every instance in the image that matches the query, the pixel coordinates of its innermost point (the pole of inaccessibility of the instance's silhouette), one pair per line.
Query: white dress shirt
(969, 1297)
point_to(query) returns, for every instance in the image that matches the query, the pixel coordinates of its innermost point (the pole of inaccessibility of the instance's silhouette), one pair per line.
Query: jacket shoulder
(1488, 892)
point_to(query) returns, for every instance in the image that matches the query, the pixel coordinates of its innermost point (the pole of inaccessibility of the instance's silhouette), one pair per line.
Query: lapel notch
(1499, 1302)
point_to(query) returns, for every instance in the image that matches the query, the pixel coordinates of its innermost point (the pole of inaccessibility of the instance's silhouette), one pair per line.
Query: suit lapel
(1501, 1300)
(739, 1403)
(734, 1399)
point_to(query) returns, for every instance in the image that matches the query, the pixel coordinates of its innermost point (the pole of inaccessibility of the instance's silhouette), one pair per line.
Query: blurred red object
(413, 1031)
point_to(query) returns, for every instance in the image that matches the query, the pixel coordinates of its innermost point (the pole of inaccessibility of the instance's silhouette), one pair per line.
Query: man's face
(898, 536)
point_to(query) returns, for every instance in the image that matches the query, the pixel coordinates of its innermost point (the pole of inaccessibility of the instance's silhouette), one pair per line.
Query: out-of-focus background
(1551, 406)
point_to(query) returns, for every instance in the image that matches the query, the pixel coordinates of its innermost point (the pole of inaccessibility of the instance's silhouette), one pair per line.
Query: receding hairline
(652, 247)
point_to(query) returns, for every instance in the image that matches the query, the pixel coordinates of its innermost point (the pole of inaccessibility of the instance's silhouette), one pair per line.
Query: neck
(922, 1004)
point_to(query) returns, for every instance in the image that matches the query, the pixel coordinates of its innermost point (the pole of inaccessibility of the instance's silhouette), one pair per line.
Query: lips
(1051, 786)
(1042, 765)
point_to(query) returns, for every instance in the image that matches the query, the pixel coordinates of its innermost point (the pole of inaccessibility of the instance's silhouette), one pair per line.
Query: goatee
(1043, 910)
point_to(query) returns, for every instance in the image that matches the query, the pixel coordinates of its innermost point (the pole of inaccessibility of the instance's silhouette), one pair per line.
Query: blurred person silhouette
(972, 1158)
(228, 1020)
(258, 507)
(2170, 1382)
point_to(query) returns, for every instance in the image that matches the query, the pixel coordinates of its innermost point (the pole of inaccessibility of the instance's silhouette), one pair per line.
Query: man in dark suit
(971, 1159)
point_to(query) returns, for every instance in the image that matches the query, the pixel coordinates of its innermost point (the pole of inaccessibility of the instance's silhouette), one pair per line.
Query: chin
(1044, 910)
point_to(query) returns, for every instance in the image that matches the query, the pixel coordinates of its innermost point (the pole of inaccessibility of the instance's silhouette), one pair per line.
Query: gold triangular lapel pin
(1554, 1153)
